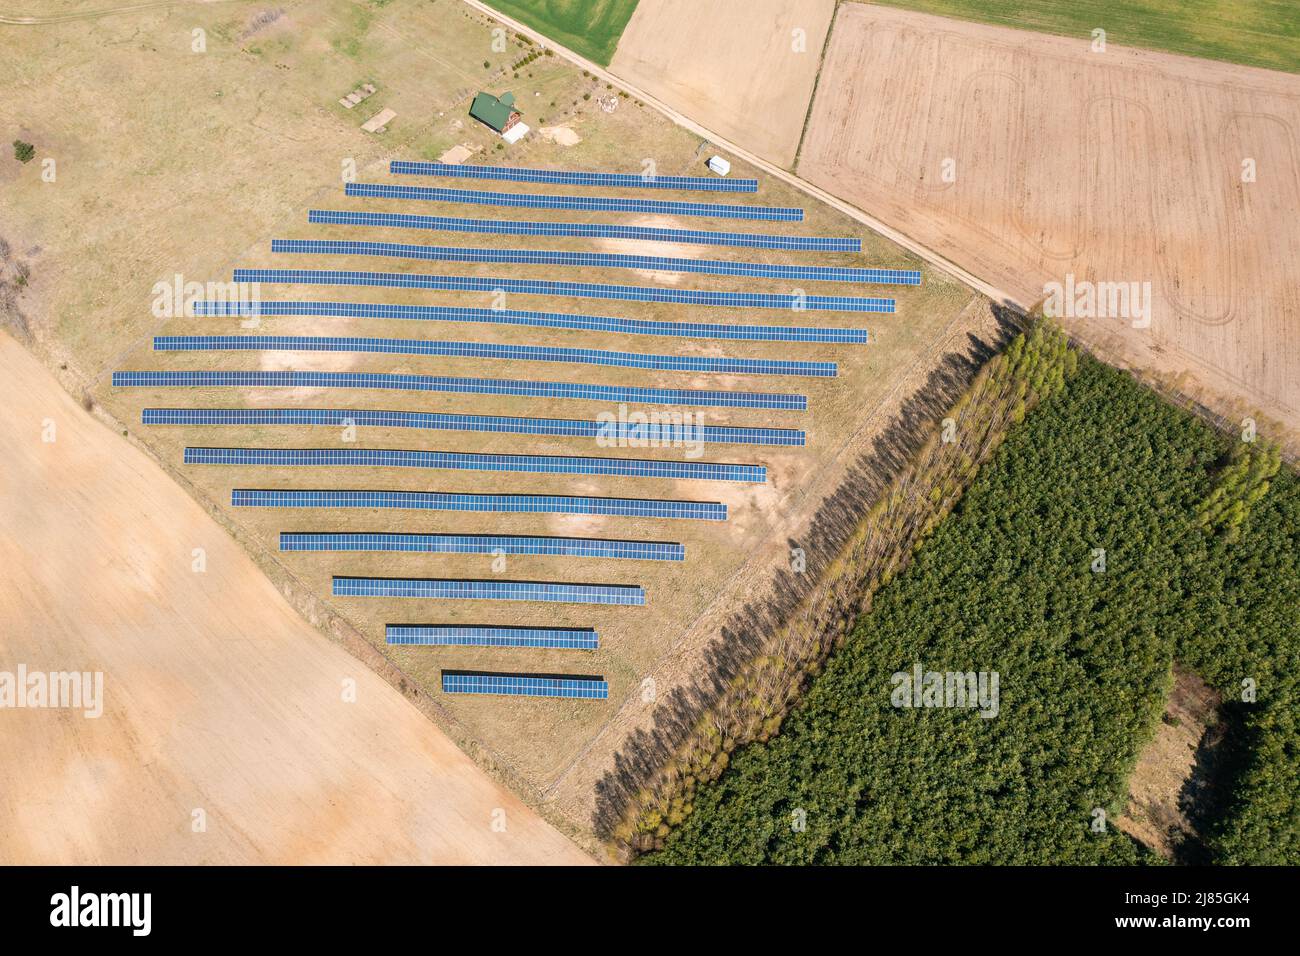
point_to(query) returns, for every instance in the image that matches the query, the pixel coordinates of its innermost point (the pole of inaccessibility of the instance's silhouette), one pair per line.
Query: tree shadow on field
(743, 637)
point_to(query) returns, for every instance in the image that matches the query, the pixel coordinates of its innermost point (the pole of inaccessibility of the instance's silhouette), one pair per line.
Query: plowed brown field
(1115, 166)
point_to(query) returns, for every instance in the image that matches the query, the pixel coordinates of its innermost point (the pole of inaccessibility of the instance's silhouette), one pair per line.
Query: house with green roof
(498, 113)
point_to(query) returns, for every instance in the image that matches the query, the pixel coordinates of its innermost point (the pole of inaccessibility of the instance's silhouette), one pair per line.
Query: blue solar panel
(524, 685)
(472, 461)
(425, 635)
(573, 178)
(541, 546)
(477, 386)
(505, 504)
(596, 260)
(587, 230)
(463, 590)
(573, 290)
(488, 350)
(590, 203)
(633, 433)
(522, 317)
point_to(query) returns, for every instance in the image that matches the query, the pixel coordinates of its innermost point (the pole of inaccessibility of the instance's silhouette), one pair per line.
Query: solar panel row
(442, 383)
(542, 546)
(587, 230)
(523, 685)
(488, 350)
(425, 635)
(589, 203)
(595, 260)
(465, 590)
(637, 431)
(505, 504)
(473, 461)
(572, 177)
(522, 317)
(795, 302)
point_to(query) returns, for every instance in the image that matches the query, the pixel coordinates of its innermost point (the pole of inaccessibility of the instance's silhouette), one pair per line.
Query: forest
(1110, 535)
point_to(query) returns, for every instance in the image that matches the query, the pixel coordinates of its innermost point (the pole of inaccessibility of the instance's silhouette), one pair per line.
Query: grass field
(1262, 33)
(589, 27)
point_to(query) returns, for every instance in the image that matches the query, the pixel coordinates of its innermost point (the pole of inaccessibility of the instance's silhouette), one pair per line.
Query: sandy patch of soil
(457, 154)
(560, 135)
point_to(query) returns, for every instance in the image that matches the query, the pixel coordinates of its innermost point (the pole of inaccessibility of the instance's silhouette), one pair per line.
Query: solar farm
(420, 427)
(556, 374)
(483, 472)
(632, 451)
(675, 434)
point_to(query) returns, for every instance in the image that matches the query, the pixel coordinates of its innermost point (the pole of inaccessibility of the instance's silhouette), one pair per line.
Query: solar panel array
(466, 590)
(575, 290)
(525, 685)
(613, 431)
(502, 504)
(608, 430)
(552, 320)
(489, 350)
(595, 260)
(473, 461)
(589, 203)
(425, 635)
(586, 230)
(539, 545)
(573, 178)
(442, 383)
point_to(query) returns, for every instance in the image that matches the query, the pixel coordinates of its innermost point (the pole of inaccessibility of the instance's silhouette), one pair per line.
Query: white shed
(719, 165)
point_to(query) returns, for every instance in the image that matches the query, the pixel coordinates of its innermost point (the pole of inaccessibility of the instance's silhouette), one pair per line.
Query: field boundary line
(817, 82)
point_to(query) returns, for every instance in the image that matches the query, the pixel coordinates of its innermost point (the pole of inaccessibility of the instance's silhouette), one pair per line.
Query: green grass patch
(1263, 33)
(589, 27)
(1201, 565)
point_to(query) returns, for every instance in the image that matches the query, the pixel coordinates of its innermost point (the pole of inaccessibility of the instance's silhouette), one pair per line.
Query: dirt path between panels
(221, 706)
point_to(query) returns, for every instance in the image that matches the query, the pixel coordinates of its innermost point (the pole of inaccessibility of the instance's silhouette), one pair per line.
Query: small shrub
(23, 152)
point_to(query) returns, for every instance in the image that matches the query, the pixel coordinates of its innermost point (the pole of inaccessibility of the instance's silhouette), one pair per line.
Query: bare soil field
(1027, 158)
(197, 174)
(217, 696)
(743, 68)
